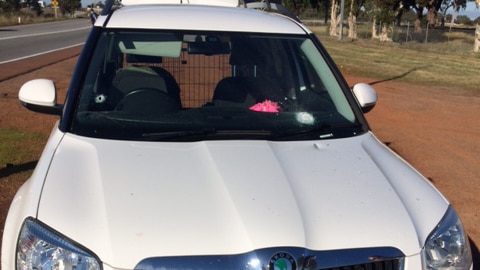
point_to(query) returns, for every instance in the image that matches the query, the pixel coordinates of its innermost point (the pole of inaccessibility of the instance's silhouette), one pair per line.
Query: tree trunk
(476, 46)
(384, 35)
(398, 18)
(374, 29)
(432, 17)
(352, 23)
(334, 18)
(326, 6)
(418, 20)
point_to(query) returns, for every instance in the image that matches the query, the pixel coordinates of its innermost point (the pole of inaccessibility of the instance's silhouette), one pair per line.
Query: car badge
(282, 261)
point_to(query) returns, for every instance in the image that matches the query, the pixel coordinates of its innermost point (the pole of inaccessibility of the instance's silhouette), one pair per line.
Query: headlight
(40, 248)
(447, 248)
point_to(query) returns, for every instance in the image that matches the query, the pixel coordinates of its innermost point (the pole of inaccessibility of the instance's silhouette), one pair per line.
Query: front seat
(146, 89)
(234, 91)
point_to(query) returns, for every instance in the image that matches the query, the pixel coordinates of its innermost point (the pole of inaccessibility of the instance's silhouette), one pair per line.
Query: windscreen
(190, 86)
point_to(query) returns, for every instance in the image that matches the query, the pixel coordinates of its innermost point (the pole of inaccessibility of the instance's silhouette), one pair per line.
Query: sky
(471, 11)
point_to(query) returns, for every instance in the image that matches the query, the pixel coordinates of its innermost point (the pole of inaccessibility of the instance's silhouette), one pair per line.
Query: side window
(97, 81)
(331, 86)
(311, 77)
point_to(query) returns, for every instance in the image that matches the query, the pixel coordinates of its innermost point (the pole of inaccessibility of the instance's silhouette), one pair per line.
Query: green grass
(450, 63)
(18, 147)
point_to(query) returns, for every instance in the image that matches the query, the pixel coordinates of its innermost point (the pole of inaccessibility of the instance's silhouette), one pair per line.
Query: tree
(297, 6)
(477, 20)
(354, 11)
(334, 17)
(35, 6)
(69, 6)
(326, 7)
(384, 14)
(401, 10)
(323, 5)
(476, 45)
(455, 5)
(353, 7)
(465, 20)
(10, 5)
(432, 7)
(418, 7)
(5, 6)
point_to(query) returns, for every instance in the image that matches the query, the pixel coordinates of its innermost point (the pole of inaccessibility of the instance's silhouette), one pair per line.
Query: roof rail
(270, 5)
(266, 5)
(114, 4)
(227, 3)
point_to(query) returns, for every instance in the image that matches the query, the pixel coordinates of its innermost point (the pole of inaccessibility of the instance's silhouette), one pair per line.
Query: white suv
(211, 136)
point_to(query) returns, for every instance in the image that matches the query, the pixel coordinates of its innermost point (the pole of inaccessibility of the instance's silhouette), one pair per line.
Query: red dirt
(436, 129)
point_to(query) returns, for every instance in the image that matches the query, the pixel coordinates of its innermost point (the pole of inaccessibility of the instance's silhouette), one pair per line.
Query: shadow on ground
(10, 169)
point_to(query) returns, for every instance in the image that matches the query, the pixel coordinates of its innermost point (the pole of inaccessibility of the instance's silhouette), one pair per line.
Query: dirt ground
(434, 128)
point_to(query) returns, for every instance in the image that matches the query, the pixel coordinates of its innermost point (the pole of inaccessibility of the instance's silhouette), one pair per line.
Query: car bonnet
(127, 200)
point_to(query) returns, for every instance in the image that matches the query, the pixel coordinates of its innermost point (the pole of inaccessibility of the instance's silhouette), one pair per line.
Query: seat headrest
(247, 52)
(232, 89)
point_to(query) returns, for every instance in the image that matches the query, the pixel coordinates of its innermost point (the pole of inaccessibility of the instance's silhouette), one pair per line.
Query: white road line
(37, 54)
(46, 33)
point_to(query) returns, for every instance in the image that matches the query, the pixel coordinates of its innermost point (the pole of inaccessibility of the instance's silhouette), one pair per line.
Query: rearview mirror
(209, 48)
(366, 96)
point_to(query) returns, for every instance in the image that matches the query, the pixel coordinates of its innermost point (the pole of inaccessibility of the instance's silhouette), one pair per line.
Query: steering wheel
(148, 100)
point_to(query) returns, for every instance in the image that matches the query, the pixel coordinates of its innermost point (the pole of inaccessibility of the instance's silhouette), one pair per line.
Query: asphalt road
(24, 41)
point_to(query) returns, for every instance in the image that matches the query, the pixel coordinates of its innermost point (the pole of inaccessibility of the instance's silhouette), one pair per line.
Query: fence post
(476, 46)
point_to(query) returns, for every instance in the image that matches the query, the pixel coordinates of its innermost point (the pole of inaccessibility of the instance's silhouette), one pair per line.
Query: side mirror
(366, 96)
(40, 96)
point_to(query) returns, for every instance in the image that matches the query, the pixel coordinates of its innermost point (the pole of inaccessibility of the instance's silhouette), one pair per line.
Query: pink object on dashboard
(266, 106)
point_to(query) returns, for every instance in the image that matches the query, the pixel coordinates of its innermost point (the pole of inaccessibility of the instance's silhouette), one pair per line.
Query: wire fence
(461, 39)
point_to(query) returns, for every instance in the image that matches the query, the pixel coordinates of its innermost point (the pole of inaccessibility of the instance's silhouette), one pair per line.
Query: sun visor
(163, 49)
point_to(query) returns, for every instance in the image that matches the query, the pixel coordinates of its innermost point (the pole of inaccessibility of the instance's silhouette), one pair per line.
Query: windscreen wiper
(168, 135)
(206, 133)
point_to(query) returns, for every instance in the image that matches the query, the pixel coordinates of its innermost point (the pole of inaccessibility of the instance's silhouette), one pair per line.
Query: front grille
(383, 265)
(381, 258)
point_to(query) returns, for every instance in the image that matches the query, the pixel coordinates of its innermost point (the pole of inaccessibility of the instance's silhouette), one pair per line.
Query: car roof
(200, 17)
